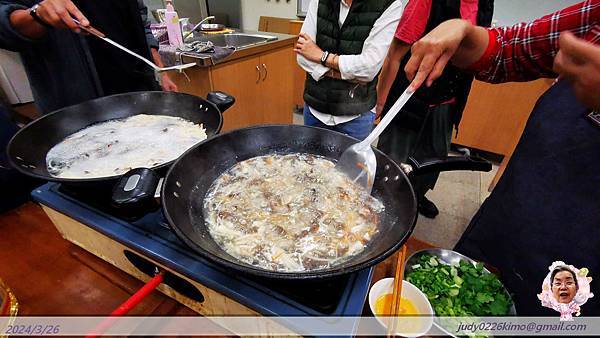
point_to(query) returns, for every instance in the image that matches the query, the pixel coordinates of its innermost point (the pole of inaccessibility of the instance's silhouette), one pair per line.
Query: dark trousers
(422, 135)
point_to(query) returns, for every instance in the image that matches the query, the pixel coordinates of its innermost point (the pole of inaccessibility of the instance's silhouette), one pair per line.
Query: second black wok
(192, 175)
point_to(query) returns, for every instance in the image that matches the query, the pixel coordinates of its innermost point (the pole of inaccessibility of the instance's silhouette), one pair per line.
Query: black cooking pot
(28, 148)
(190, 177)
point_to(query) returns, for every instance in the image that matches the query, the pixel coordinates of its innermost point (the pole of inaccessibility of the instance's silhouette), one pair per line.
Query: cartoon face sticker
(565, 289)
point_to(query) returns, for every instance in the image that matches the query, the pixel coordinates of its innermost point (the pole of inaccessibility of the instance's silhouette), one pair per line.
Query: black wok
(192, 174)
(28, 148)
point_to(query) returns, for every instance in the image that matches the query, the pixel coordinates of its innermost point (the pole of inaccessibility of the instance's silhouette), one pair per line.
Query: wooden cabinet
(495, 115)
(261, 83)
(262, 87)
(242, 80)
(276, 88)
(292, 27)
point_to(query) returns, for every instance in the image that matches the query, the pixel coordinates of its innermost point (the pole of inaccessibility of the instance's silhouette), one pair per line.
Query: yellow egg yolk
(384, 303)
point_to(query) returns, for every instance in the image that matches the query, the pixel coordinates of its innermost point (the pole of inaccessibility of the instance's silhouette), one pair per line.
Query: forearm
(309, 32)
(156, 57)
(165, 81)
(334, 69)
(390, 68)
(386, 80)
(22, 22)
(472, 46)
(333, 62)
(316, 70)
(362, 67)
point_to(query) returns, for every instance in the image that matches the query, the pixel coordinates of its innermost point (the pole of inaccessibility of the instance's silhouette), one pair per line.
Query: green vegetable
(457, 280)
(459, 290)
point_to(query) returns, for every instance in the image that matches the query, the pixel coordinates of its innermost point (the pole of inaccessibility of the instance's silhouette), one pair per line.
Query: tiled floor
(457, 195)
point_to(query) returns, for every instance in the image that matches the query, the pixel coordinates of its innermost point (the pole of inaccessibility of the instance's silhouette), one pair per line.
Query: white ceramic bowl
(415, 327)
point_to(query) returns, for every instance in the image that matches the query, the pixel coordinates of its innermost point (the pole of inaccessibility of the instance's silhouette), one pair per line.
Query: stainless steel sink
(236, 40)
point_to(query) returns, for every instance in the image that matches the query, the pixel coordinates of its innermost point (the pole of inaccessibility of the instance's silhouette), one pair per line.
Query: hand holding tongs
(102, 36)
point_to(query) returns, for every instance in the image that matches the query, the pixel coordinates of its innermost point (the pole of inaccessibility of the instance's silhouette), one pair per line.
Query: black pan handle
(473, 163)
(222, 100)
(135, 191)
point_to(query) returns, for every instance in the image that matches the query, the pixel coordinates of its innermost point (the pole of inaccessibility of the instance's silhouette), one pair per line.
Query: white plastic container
(416, 327)
(173, 27)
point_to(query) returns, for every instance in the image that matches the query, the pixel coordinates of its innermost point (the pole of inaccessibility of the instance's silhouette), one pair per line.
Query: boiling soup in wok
(290, 213)
(116, 146)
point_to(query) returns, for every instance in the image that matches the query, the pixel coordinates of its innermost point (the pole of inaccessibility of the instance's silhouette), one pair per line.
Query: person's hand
(430, 55)
(60, 14)
(167, 84)
(308, 48)
(578, 61)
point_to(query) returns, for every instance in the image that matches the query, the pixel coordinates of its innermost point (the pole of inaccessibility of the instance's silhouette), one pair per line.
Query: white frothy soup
(290, 213)
(117, 146)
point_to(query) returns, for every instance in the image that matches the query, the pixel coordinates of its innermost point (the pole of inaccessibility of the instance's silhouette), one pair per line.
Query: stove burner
(100, 197)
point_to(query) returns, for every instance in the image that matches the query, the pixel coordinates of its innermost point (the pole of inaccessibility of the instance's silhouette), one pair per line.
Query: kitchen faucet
(197, 26)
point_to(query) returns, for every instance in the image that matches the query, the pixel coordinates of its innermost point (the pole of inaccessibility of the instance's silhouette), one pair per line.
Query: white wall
(509, 12)
(506, 12)
(252, 10)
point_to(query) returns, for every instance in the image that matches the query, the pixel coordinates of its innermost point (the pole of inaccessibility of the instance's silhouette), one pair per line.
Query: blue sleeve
(9, 38)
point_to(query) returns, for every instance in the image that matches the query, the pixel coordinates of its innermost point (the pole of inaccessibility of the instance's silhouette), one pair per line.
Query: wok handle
(222, 100)
(134, 192)
(453, 163)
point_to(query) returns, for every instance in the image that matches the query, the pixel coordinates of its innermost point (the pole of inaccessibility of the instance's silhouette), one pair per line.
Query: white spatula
(359, 161)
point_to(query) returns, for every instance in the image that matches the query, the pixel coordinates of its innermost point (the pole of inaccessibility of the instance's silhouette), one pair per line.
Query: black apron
(546, 206)
(121, 21)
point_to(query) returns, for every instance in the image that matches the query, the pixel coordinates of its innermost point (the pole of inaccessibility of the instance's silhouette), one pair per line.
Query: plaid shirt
(526, 52)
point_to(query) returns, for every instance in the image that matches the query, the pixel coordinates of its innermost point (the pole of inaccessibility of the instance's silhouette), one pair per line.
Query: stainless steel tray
(451, 258)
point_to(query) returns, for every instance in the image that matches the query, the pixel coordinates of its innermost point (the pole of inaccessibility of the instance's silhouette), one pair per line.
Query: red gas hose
(137, 297)
(129, 304)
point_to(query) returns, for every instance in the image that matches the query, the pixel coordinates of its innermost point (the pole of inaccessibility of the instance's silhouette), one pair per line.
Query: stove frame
(194, 282)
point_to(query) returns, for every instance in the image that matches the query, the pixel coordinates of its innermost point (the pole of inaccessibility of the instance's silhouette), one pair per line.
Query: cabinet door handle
(266, 71)
(258, 74)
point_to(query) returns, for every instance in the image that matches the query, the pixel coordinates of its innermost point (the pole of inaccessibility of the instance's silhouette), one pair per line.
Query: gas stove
(142, 245)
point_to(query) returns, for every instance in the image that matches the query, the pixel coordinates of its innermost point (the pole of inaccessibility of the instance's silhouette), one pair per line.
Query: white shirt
(361, 67)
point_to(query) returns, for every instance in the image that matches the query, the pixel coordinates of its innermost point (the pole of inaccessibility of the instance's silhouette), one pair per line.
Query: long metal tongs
(102, 36)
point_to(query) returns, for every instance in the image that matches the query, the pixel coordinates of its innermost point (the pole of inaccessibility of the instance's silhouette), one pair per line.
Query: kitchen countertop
(204, 60)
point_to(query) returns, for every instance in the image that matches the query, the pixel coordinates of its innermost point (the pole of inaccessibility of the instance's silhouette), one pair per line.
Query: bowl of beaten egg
(414, 304)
